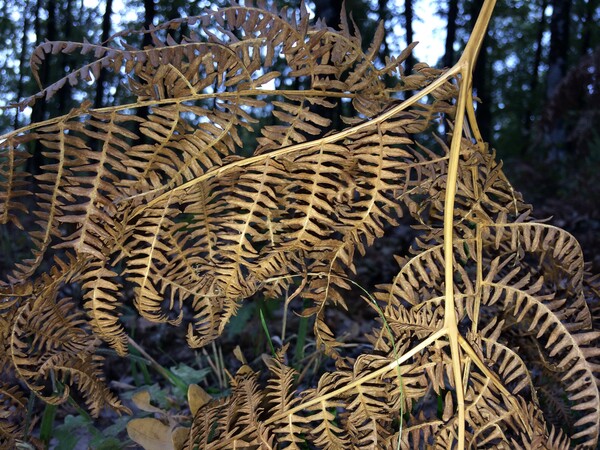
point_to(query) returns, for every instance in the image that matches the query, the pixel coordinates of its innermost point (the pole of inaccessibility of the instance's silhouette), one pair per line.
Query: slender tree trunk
(559, 44)
(481, 80)
(450, 33)
(100, 82)
(538, 49)
(51, 35)
(588, 25)
(149, 14)
(40, 108)
(330, 11)
(173, 12)
(535, 78)
(408, 20)
(65, 100)
(557, 68)
(384, 16)
(22, 62)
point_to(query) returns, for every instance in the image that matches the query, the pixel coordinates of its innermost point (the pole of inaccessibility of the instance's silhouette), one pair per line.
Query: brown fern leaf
(180, 149)
(100, 301)
(201, 434)
(233, 422)
(13, 183)
(546, 240)
(244, 410)
(421, 434)
(560, 263)
(509, 366)
(573, 352)
(49, 336)
(406, 325)
(13, 410)
(297, 122)
(281, 398)
(104, 58)
(156, 296)
(326, 433)
(485, 403)
(374, 404)
(419, 279)
(85, 373)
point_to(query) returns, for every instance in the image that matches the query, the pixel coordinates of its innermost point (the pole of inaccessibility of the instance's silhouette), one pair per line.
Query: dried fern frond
(14, 410)
(166, 195)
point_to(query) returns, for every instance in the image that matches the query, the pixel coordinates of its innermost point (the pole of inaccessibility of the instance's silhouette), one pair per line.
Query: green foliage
(74, 429)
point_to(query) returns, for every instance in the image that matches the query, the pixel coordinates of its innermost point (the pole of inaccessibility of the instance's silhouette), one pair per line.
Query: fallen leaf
(179, 437)
(151, 434)
(197, 398)
(142, 401)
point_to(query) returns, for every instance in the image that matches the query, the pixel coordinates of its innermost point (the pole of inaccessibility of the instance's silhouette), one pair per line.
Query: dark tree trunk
(480, 80)
(40, 108)
(173, 11)
(559, 44)
(22, 62)
(588, 26)
(65, 101)
(408, 20)
(100, 82)
(450, 33)
(149, 14)
(535, 79)
(329, 11)
(537, 60)
(555, 136)
(384, 16)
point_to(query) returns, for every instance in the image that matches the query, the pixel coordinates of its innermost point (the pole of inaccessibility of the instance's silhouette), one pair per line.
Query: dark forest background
(538, 79)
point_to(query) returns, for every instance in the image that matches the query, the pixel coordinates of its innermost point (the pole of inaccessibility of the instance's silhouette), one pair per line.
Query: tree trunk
(22, 61)
(65, 101)
(149, 14)
(450, 33)
(100, 88)
(449, 55)
(384, 54)
(384, 16)
(588, 26)
(534, 81)
(408, 20)
(555, 137)
(559, 44)
(329, 11)
(40, 108)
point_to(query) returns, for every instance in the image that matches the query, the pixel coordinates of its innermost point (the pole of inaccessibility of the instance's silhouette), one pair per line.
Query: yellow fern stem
(465, 66)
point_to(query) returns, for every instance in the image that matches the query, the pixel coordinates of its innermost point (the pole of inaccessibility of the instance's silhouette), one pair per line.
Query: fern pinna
(489, 312)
